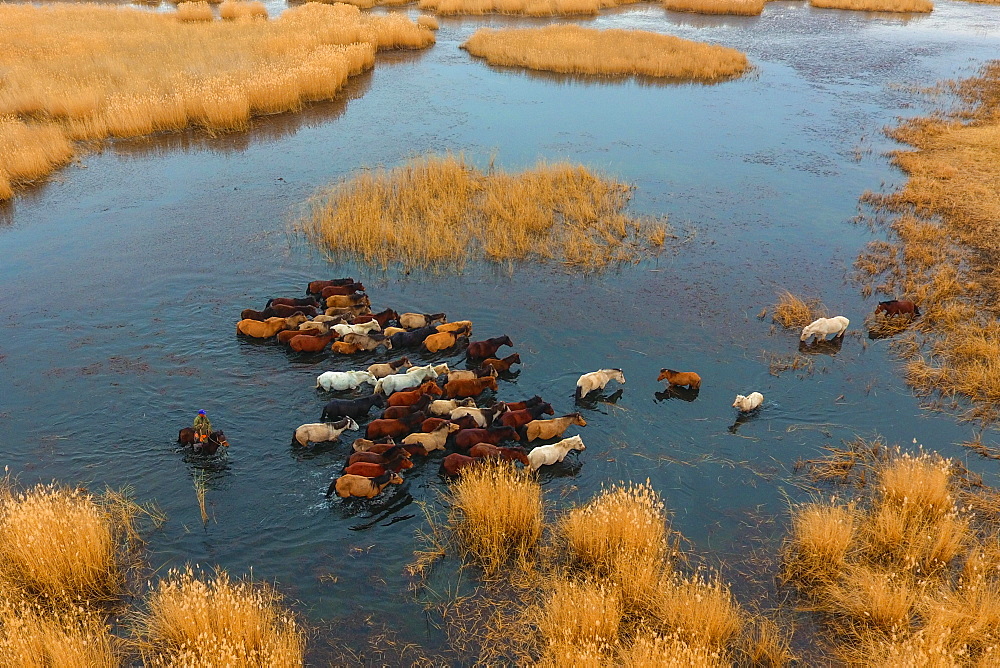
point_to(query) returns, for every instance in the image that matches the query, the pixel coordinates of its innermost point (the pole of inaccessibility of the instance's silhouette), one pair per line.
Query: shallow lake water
(122, 279)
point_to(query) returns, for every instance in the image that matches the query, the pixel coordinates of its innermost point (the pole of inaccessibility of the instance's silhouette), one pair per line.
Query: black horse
(355, 408)
(216, 440)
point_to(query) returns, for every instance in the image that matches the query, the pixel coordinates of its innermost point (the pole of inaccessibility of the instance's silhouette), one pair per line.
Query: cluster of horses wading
(430, 408)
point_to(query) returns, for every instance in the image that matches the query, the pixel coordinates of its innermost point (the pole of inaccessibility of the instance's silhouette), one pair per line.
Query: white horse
(320, 432)
(403, 381)
(364, 328)
(440, 368)
(749, 402)
(823, 327)
(596, 380)
(343, 380)
(546, 455)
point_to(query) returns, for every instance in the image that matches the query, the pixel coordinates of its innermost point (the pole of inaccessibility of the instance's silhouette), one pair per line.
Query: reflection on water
(137, 267)
(675, 392)
(822, 347)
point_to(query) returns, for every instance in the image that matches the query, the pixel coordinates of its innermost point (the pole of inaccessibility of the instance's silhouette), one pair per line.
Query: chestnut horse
(410, 397)
(315, 287)
(396, 412)
(489, 347)
(395, 428)
(522, 417)
(897, 307)
(216, 439)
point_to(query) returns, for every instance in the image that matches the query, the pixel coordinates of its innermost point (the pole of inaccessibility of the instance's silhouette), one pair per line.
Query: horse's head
(219, 438)
(664, 374)
(505, 341)
(619, 375)
(578, 419)
(546, 408)
(575, 443)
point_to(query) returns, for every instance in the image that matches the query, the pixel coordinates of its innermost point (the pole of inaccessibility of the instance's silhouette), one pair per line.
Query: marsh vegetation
(520, 7)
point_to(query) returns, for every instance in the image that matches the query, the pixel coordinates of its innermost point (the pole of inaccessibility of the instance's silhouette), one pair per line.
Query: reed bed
(232, 10)
(573, 49)
(901, 6)
(129, 73)
(33, 637)
(428, 21)
(906, 573)
(438, 212)
(497, 514)
(794, 311)
(733, 7)
(199, 620)
(520, 7)
(941, 249)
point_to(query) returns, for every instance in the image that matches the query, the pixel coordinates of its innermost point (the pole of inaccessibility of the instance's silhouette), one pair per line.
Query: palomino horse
(597, 380)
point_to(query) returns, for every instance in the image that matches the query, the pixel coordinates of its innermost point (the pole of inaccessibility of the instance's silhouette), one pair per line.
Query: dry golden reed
(734, 7)
(496, 512)
(197, 620)
(128, 73)
(32, 637)
(428, 21)
(194, 11)
(438, 212)
(794, 311)
(904, 6)
(520, 7)
(573, 49)
(942, 229)
(237, 9)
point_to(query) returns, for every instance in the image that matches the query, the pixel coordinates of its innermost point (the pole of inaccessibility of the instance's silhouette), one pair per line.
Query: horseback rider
(202, 426)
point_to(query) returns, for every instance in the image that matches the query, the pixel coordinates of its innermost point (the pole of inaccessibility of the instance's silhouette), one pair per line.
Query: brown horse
(292, 301)
(347, 311)
(368, 341)
(897, 307)
(546, 429)
(310, 344)
(489, 347)
(348, 289)
(454, 463)
(410, 397)
(289, 334)
(345, 348)
(383, 318)
(501, 365)
(283, 311)
(485, 450)
(466, 438)
(315, 287)
(216, 440)
(269, 327)
(355, 299)
(521, 405)
(418, 320)
(396, 428)
(441, 341)
(680, 378)
(522, 417)
(357, 485)
(396, 412)
(470, 388)
(456, 327)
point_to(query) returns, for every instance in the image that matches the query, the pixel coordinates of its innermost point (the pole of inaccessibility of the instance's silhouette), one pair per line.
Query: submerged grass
(574, 49)
(199, 620)
(942, 248)
(438, 212)
(129, 73)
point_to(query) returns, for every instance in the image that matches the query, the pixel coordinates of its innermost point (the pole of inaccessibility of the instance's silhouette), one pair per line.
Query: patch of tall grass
(940, 252)
(903, 6)
(520, 7)
(794, 311)
(437, 212)
(734, 7)
(129, 73)
(239, 9)
(574, 49)
(496, 512)
(200, 620)
(34, 637)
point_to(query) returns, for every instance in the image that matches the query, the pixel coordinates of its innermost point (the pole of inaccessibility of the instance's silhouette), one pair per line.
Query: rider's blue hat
(201, 412)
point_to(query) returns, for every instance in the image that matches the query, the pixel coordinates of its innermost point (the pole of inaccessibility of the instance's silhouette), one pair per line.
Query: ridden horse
(517, 419)
(489, 347)
(356, 485)
(216, 440)
(597, 380)
(315, 287)
(396, 412)
(388, 368)
(466, 438)
(352, 408)
(546, 455)
(411, 397)
(546, 429)
(680, 378)
(419, 320)
(470, 388)
(823, 327)
(898, 307)
(501, 365)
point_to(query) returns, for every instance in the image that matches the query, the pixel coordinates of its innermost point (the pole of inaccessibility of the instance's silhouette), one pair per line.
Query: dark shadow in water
(674, 392)
(262, 128)
(822, 347)
(567, 468)
(695, 20)
(7, 213)
(592, 401)
(321, 449)
(743, 418)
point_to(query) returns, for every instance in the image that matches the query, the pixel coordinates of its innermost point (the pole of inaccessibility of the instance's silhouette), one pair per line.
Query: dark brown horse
(396, 428)
(383, 318)
(293, 301)
(216, 440)
(315, 287)
(396, 412)
(485, 450)
(527, 403)
(500, 365)
(289, 334)
(410, 397)
(522, 417)
(454, 463)
(897, 307)
(466, 438)
(489, 347)
(348, 289)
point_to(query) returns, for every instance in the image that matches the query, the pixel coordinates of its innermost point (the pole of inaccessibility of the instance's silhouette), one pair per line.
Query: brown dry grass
(496, 514)
(905, 6)
(128, 73)
(942, 247)
(32, 637)
(236, 9)
(520, 7)
(437, 212)
(194, 11)
(574, 49)
(428, 21)
(794, 311)
(735, 7)
(196, 620)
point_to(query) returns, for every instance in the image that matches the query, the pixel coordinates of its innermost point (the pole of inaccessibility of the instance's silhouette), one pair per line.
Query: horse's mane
(381, 480)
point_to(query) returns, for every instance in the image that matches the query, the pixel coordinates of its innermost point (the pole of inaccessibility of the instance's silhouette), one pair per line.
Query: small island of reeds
(521, 7)
(130, 73)
(438, 212)
(900, 6)
(572, 49)
(733, 7)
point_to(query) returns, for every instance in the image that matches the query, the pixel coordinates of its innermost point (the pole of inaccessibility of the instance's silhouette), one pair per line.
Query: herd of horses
(433, 407)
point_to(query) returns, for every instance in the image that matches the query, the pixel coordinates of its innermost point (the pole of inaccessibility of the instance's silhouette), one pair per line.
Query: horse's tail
(579, 392)
(295, 438)
(916, 310)
(268, 304)
(332, 488)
